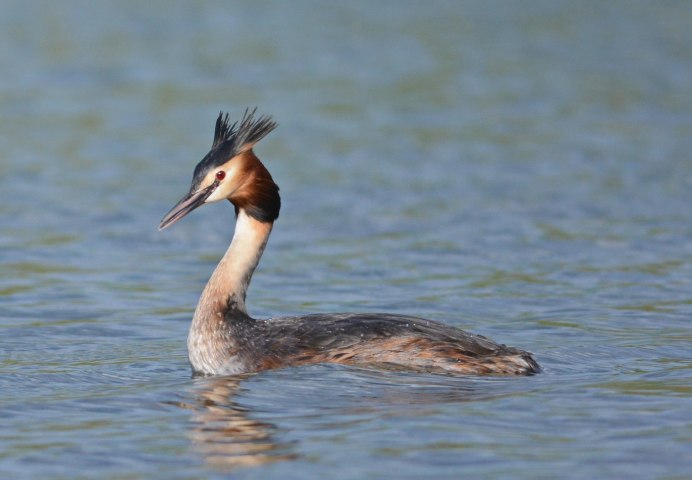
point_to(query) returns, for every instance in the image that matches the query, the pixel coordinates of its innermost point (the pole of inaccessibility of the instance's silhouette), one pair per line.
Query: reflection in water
(227, 437)
(224, 434)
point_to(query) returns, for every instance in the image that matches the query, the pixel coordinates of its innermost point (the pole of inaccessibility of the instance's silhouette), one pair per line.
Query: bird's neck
(228, 284)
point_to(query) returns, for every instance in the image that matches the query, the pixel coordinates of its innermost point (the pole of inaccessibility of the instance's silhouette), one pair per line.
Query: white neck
(229, 282)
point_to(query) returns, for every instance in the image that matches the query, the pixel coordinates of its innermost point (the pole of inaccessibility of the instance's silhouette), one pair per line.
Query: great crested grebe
(225, 340)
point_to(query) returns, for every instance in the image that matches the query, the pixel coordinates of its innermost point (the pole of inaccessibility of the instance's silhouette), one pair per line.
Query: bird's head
(232, 171)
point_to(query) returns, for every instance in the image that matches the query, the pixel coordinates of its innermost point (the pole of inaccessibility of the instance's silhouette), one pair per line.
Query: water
(521, 170)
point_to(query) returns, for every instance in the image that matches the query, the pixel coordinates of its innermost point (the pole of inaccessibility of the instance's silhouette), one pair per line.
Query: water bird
(225, 340)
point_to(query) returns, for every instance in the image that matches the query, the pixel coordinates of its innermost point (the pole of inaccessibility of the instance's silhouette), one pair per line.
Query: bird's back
(377, 340)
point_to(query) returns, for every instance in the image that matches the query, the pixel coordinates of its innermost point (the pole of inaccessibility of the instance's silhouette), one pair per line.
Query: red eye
(220, 175)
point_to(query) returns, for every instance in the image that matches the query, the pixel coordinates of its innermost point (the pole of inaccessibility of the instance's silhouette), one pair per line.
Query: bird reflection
(223, 432)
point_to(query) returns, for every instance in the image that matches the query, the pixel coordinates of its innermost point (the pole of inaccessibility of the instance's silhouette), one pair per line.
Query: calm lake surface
(522, 170)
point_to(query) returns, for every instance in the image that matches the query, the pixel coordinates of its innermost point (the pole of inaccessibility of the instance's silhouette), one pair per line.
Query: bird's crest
(236, 137)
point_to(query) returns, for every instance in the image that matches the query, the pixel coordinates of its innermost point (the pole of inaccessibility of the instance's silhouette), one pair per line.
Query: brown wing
(380, 339)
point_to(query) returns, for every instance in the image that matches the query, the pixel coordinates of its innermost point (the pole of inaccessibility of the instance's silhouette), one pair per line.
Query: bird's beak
(187, 204)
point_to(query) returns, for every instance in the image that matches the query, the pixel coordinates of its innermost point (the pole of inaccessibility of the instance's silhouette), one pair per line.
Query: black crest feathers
(231, 139)
(238, 136)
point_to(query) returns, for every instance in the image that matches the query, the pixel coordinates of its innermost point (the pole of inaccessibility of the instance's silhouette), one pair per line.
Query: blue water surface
(521, 170)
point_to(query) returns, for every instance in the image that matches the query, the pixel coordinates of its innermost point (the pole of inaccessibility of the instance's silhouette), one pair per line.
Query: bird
(225, 340)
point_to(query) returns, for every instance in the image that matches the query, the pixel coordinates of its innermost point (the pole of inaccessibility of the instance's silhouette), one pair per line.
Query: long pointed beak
(187, 204)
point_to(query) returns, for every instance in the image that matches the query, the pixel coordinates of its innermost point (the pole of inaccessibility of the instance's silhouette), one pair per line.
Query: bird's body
(378, 340)
(225, 340)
